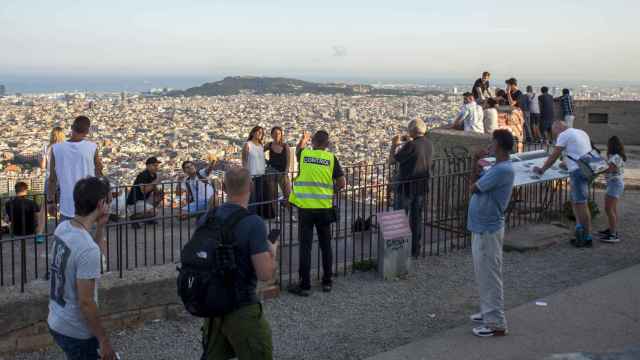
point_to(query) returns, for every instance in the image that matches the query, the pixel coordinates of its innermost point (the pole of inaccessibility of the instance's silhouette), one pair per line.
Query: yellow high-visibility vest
(313, 187)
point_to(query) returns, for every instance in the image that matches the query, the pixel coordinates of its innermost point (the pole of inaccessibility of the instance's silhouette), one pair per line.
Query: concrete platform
(535, 237)
(599, 317)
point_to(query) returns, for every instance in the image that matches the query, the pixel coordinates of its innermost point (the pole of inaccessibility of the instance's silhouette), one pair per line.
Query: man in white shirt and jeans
(71, 161)
(576, 144)
(197, 187)
(74, 322)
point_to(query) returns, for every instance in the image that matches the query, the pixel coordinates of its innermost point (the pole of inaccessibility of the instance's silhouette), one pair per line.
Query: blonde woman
(57, 136)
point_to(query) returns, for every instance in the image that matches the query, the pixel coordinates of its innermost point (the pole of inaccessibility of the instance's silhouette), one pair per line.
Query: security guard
(312, 194)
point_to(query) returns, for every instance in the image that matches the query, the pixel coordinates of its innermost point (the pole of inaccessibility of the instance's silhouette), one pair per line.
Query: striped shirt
(566, 102)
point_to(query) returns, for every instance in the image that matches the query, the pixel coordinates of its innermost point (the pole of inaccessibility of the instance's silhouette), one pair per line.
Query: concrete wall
(444, 138)
(144, 295)
(622, 119)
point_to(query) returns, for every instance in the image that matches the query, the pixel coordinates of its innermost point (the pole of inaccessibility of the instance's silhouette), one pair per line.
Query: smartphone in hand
(273, 236)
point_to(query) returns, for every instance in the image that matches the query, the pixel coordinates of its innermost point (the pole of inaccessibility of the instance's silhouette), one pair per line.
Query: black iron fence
(151, 231)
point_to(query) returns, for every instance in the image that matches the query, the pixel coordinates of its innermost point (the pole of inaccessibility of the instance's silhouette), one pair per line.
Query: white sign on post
(394, 246)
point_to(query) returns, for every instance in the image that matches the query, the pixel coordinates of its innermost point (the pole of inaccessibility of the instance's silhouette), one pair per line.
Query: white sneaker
(483, 331)
(476, 318)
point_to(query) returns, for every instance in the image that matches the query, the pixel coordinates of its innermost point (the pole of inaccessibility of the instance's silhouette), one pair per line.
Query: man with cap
(312, 194)
(144, 196)
(412, 182)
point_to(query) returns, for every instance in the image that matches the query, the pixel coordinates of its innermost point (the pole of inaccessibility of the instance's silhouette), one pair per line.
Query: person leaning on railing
(313, 190)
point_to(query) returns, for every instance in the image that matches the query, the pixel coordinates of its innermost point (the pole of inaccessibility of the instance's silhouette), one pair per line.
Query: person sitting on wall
(471, 117)
(22, 212)
(145, 197)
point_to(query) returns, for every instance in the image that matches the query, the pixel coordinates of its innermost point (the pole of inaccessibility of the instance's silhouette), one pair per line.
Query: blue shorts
(615, 188)
(579, 187)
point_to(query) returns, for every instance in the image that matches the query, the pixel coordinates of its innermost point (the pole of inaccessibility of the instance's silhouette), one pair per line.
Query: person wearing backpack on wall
(615, 187)
(576, 143)
(234, 243)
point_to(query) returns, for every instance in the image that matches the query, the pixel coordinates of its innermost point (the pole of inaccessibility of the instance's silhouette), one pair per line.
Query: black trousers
(321, 219)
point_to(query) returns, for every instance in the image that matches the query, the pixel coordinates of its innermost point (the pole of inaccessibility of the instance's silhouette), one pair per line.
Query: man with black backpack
(221, 264)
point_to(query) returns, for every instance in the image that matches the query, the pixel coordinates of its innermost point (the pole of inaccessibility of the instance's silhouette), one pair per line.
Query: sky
(394, 39)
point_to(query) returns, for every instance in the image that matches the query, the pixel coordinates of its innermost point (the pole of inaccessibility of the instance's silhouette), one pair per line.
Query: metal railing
(134, 241)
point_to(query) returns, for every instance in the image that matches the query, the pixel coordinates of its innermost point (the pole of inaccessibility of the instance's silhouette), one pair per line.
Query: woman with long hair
(253, 160)
(615, 187)
(55, 137)
(278, 163)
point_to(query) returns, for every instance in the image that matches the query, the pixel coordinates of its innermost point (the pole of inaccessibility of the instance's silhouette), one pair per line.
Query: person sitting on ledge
(471, 117)
(145, 197)
(196, 185)
(22, 212)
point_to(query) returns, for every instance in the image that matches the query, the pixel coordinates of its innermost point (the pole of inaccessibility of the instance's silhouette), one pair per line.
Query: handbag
(591, 164)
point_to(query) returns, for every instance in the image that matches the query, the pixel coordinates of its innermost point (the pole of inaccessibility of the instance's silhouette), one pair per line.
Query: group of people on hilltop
(528, 116)
(85, 198)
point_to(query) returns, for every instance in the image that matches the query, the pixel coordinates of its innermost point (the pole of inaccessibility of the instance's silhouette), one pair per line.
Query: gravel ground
(364, 316)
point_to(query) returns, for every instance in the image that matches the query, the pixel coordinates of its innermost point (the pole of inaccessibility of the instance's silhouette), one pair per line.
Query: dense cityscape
(129, 127)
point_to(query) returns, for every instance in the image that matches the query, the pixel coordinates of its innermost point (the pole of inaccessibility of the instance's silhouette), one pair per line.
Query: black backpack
(208, 274)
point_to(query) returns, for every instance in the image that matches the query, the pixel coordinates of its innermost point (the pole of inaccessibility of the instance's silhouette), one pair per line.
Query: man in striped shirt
(566, 103)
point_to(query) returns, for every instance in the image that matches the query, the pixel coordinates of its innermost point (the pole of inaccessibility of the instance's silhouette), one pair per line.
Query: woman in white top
(253, 152)
(491, 116)
(57, 136)
(253, 160)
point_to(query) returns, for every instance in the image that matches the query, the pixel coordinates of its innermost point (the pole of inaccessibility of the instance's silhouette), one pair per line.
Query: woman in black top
(278, 163)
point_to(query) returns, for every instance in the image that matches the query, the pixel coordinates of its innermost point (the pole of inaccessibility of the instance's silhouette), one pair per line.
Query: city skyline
(580, 41)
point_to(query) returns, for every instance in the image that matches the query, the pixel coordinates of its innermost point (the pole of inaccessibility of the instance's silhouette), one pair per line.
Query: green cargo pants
(244, 334)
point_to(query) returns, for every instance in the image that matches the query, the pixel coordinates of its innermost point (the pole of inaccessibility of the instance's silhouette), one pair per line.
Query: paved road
(600, 316)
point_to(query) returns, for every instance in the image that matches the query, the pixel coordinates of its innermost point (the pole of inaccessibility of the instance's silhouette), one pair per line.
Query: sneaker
(476, 318)
(298, 290)
(326, 287)
(611, 238)
(39, 239)
(483, 331)
(605, 232)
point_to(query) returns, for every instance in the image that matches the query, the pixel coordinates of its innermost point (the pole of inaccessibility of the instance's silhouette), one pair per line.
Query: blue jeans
(413, 206)
(76, 349)
(579, 187)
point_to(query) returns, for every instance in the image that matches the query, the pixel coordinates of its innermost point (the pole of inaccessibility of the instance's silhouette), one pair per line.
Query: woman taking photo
(278, 163)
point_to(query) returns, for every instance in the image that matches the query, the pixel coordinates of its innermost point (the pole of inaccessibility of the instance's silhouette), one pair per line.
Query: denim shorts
(615, 188)
(579, 187)
(76, 349)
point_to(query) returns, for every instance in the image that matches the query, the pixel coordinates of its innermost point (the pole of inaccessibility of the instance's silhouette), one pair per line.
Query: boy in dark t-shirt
(22, 212)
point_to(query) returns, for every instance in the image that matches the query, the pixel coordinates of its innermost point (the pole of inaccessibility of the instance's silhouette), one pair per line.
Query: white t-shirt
(576, 144)
(534, 105)
(255, 159)
(473, 117)
(75, 256)
(200, 191)
(619, 163)
(490, 120)
(74, 161)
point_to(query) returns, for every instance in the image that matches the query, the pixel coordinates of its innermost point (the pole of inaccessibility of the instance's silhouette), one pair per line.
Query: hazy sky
(536, 39)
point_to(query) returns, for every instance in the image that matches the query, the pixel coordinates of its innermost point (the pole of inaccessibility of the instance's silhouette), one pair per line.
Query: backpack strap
(230, 223)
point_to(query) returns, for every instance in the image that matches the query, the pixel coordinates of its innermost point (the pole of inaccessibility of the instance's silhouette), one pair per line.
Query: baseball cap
(153, 160)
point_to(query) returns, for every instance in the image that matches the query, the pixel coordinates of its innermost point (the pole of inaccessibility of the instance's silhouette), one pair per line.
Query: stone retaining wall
(144, 295)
